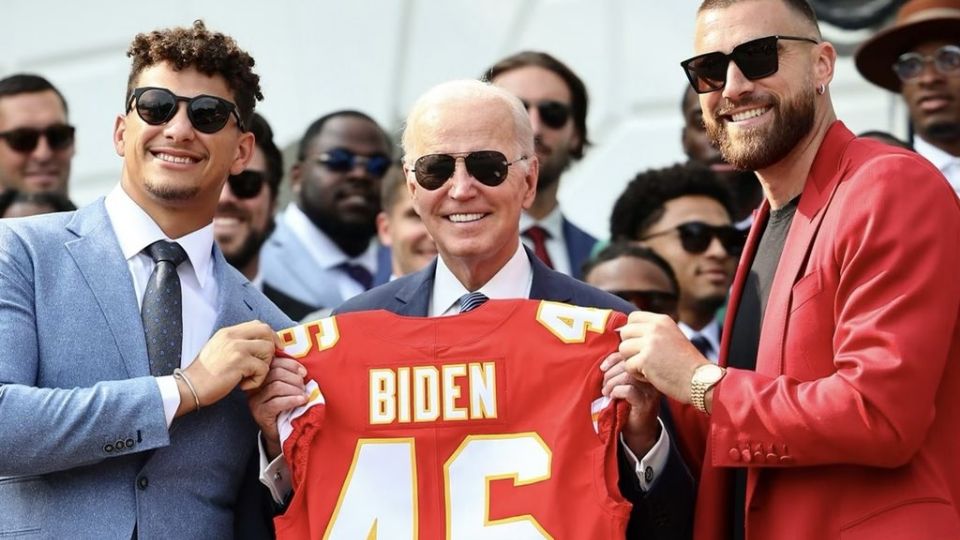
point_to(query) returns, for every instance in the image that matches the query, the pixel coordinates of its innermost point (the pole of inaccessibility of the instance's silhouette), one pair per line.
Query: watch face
(708, 373)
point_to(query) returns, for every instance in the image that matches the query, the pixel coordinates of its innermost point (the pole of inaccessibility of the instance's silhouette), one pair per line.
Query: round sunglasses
(756, 59)
(25, 140)
(910, 65)
(489, 167)
(696, 236)
(207, 114)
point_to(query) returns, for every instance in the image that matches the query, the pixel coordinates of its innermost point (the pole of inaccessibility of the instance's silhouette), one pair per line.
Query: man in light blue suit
(117, 422)
(470, 168)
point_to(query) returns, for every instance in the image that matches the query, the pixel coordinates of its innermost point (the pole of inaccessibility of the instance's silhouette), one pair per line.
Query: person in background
(636, 274)
(918, 57)
(556, 99)
(15, 203)
(37, 140)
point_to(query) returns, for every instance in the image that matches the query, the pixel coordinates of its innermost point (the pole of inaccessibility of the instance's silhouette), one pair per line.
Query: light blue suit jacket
(85, 447)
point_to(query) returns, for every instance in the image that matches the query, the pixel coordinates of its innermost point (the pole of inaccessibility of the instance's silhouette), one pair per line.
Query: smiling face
(401, 229)
(476, 227)
(43, 168)
(757, 123)
(933, 99)
(241, 226)
(172, 171)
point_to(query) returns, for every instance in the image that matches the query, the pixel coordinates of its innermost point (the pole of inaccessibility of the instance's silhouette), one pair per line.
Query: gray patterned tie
(471, 301)
(161, 312)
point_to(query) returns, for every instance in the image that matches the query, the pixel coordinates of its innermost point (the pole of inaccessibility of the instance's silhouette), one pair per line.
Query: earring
(821, 88)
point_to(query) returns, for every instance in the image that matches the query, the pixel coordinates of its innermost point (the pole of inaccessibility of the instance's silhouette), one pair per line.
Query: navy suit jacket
(666, 511)
(86, 452)
(579, 247)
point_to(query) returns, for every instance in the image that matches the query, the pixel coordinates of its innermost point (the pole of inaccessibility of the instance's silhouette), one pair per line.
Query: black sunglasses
(553, 113)
(653, 301)
(25, 140)
(247, 184)
(910, 65)
(208, 114)
(756, 59)
(696, 236)
(343, 160)
(489, 167)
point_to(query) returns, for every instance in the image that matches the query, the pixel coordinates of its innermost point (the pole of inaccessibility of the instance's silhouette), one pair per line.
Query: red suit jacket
(850, 425)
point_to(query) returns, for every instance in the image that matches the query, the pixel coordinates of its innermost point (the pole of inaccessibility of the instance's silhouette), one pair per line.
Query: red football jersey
(488, 424)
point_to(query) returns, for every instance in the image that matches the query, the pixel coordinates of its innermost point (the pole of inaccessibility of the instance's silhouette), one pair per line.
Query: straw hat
(917, 22)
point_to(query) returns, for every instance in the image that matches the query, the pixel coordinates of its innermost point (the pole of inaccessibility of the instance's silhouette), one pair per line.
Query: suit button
(786, 460)
(142, 482)
(734, 454)
(648, 475)
(747, 456)
(773, 459)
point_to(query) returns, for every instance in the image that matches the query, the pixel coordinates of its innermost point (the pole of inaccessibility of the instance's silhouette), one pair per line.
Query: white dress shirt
(556, 243)
(514, 280)
(710, 332)
(947, 164)
(326, 254)
(136, 230)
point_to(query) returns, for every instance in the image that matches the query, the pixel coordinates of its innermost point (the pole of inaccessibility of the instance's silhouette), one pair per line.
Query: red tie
(539, 236)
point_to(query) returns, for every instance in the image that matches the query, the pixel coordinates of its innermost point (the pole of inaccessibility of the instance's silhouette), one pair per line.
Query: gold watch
(704, 378)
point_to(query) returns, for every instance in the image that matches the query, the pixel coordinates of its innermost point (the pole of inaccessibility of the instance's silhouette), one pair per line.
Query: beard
(250, 247)
(359, 231)
(945, 132)
(551, 168)
(170, 193)
(758, 148)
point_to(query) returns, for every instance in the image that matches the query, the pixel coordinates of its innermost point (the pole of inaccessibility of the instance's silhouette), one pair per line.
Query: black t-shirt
(745, 338)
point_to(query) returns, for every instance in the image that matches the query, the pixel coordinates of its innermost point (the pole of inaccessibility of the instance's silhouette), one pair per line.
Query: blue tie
(471, 301)
(161, 312)
(359, 274)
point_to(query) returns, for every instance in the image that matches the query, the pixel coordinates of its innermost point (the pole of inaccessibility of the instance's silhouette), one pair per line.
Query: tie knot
(471, 301)
(537, 233)
(161, 250)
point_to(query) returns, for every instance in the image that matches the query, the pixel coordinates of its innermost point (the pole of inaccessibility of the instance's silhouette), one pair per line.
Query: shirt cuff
(653, 463)
(274, 475)
(170, 395)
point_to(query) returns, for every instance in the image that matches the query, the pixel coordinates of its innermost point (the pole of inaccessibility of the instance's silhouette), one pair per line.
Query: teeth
(463, 218)
(221, 220)
(746, 115)
(174, 159)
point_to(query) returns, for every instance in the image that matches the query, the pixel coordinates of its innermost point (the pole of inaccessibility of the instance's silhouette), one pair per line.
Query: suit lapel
(234, 305)
(100, 261)
(817, 192)
(413, 299)
(545, 284)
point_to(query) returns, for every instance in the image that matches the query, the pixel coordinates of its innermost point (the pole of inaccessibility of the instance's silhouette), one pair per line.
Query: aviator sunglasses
(343, 160)
(25, 140)
(910, 65)
(489, 167)
(756, 59)
(247, 184)
(553, 113)
(208, 114)
(696, 236)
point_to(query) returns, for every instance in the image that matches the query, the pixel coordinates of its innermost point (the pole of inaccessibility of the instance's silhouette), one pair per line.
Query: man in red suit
(834, 410)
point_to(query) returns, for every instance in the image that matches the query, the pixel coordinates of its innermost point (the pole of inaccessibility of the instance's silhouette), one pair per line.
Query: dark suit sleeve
(254, 509)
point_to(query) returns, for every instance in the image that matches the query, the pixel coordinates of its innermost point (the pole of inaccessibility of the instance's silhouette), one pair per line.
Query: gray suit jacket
(86, 450)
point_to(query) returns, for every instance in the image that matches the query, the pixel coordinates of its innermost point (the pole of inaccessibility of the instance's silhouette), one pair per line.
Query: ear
(530, 182)
(119, 131)
(244, 152)
(295, 176)
(824, 63)
(383, 229)
(412, 187)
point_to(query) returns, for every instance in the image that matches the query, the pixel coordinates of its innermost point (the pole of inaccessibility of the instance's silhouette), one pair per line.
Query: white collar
(552, 222)
(940, 159)
(320, 247)
(710, 332)
(512, 281)
(135, 230)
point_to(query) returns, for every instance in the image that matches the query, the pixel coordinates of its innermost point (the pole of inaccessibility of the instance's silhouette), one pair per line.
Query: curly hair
(210, 53)
(642, 202)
